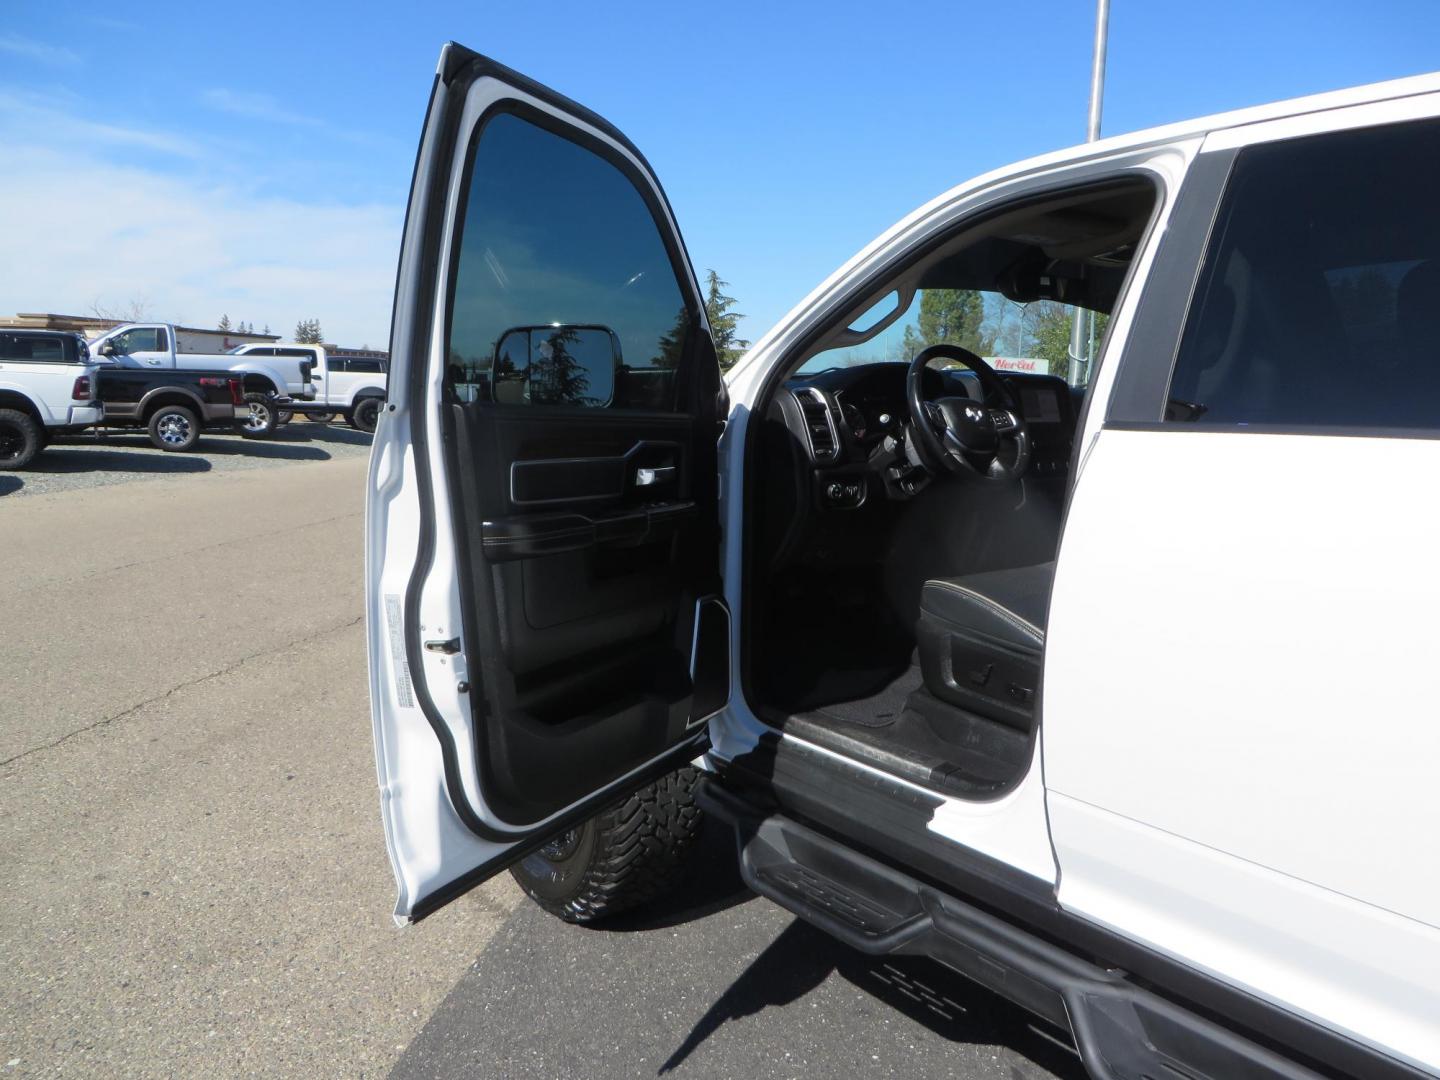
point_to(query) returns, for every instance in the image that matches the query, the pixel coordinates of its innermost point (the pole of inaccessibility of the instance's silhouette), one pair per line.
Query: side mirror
(561, 364)
(107, 349)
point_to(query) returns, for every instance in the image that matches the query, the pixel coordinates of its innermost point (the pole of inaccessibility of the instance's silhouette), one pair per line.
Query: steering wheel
(985, 440)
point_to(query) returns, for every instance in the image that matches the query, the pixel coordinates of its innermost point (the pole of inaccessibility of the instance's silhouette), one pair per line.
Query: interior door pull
(650, 477)
(449, 647)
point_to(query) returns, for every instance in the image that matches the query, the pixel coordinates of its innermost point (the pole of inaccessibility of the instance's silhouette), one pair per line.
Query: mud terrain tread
(640, 851)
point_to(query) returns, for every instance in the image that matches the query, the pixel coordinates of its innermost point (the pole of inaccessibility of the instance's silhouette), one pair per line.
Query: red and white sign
(1028, 364)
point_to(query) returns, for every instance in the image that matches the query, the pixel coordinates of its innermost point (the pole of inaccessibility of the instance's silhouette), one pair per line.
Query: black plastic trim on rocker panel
(412, 320)
(888, 822)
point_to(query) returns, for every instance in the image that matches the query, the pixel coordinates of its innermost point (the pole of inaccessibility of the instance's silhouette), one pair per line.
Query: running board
(1123, 1031)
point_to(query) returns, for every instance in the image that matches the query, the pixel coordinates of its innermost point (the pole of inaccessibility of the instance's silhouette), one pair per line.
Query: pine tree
(724, 323)
(224, 323)
(949, 317)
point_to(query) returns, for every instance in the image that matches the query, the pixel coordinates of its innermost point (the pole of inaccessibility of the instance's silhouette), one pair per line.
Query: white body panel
(48, 387)
(1237, 740)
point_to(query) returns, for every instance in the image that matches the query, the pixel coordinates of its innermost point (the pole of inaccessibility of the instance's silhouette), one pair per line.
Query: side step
(1123, 1031)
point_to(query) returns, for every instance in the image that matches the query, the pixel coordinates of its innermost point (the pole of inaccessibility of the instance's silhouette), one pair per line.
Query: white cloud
(79, 230)
(268, 110)
(42, 120)
(256, 107)
(31, 49)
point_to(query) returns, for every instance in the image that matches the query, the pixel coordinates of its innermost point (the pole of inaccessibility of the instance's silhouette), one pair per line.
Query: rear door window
(1318, 305)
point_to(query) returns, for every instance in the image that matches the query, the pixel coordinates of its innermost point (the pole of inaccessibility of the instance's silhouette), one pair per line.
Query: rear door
(1240, 741)
(545, 633)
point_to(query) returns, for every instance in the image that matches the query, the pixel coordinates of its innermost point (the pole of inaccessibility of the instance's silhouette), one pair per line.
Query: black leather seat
(980, 638)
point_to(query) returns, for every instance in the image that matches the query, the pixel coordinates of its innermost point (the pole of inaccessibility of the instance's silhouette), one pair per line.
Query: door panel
(543, 512)
(1238, 745)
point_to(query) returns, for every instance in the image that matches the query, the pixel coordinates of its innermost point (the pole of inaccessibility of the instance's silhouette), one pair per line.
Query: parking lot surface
(195, 882)
(195, 877)
(717, 983)
(123, 456)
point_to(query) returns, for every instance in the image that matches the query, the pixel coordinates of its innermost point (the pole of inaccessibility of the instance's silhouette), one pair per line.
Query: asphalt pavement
(717, 983)
(123, 456)
(195, 879)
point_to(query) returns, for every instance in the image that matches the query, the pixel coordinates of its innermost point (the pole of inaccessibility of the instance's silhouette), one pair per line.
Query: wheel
(632, 853)
(174, 428)
(20, 439)
(365, 415)
(320, 417)
(260, 422)
(284, 416)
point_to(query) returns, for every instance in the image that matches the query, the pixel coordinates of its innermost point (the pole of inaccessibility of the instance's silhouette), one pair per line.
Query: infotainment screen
(1040, 406)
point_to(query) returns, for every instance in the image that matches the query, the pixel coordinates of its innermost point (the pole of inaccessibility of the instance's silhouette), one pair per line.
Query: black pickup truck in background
(174, 406)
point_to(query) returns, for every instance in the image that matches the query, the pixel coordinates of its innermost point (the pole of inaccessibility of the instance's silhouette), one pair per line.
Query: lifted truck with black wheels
(173, 407)
(1098, 679)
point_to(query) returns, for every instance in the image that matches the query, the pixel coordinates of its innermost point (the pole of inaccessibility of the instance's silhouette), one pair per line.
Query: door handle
(449, 647)
(650, 477)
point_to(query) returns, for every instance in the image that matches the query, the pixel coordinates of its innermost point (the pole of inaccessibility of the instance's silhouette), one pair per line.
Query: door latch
(449, 647)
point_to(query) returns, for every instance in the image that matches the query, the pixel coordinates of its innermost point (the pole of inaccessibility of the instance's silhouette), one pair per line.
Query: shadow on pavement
(802, 958)
(337, 432)
(111, 455)
(717, 983)
(10, 484)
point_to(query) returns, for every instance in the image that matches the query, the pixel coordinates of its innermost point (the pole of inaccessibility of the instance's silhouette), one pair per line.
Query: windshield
(1034, 338)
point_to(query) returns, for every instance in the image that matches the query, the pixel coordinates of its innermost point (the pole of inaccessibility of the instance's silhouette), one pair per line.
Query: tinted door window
(140, 339)
(1319, 301)
(553, 234)
(363, 364)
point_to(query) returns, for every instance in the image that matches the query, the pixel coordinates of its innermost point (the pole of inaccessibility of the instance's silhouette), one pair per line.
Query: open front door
(542, 566)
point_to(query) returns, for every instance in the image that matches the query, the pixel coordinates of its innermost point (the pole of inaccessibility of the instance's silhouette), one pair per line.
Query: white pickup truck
(352, 386)
(46, 387)
(270, 381)
(1109, 692)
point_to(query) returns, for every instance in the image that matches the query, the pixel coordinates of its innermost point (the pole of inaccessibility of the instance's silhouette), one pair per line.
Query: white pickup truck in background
(352, 386)
(271, 381)
(46, 387)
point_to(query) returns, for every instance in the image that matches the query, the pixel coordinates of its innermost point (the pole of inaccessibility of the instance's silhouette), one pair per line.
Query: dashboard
(842, 416)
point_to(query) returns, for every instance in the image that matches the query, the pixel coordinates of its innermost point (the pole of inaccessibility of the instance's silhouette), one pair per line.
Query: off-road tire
(320, 417)
(260, 406)
(21, 438)
(628, 855)
(174, 428)
(365, 415)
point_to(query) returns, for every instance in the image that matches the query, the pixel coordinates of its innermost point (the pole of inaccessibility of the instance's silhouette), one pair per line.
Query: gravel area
(89, 460)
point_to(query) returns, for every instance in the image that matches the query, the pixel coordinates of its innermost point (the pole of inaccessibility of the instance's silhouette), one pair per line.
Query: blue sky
(255, 160)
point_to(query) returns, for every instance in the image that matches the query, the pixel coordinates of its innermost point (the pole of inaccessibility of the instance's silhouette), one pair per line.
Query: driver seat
(980, 638)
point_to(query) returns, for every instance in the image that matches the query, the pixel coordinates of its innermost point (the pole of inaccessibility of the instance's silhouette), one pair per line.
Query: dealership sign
(1029, 364)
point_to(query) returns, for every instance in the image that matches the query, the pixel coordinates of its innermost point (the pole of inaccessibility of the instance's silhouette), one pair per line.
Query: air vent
(819, 424)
